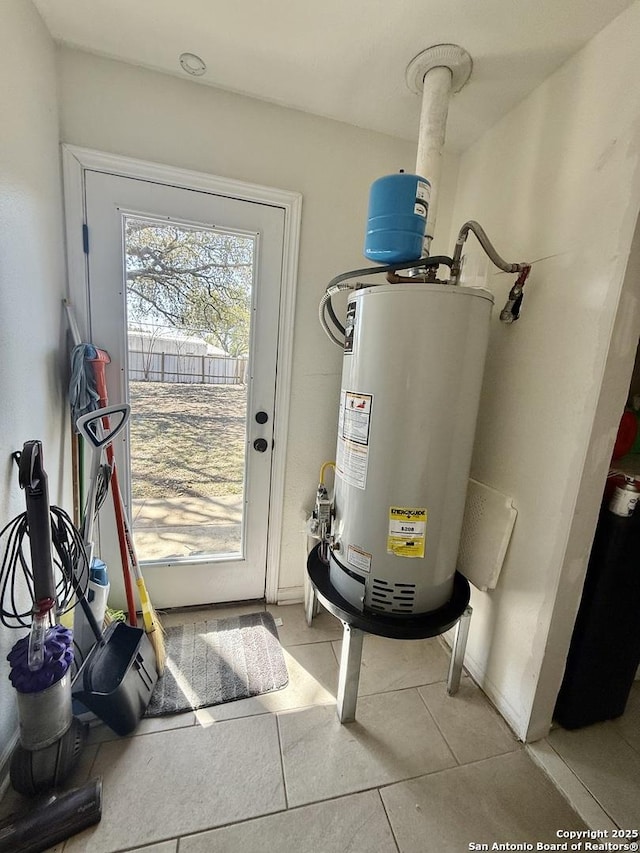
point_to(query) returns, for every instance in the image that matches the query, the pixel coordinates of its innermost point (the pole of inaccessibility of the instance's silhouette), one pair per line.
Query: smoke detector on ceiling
(192, 64)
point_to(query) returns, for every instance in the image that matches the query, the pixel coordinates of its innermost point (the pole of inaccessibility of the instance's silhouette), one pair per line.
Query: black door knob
(260, 444)
(262, 417)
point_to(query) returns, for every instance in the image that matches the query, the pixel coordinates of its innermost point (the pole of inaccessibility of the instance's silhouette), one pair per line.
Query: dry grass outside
(187, 439)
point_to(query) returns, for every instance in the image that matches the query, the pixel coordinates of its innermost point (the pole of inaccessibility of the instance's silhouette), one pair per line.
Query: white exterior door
(184, 293)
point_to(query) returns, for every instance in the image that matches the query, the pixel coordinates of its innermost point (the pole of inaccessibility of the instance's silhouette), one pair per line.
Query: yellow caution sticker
(407, 531)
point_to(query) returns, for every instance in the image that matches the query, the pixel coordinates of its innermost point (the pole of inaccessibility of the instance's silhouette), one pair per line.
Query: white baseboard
(291, 595)
(496, 697)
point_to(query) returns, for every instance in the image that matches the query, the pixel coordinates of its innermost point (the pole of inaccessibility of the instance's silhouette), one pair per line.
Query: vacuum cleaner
(51, 738)
(114, 679)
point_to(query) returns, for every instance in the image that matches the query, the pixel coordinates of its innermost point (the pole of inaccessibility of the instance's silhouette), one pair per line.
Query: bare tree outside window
(191, 278)
(189, 298)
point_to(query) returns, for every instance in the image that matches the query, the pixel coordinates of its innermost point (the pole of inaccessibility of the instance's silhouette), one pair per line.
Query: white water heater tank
(412, 375)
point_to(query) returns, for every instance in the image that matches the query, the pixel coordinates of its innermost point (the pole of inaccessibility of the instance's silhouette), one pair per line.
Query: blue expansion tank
(397, 217)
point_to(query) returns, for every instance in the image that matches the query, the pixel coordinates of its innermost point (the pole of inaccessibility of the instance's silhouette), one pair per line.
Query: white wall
(31, 280)
(122, 109)
(555, 182)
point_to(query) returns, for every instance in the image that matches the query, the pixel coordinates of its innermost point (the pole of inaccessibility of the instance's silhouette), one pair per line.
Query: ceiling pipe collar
(450, 56)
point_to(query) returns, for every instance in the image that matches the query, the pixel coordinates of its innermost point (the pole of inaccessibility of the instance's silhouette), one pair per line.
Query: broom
(152, 625)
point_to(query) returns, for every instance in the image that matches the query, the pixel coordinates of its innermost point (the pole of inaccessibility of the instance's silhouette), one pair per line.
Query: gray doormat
(218, 661)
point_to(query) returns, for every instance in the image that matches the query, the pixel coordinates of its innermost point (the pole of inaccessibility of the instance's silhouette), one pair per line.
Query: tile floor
(417, 771)
(598, 766)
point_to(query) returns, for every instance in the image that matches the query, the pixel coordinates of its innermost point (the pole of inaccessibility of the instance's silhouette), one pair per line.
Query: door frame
(76, 161)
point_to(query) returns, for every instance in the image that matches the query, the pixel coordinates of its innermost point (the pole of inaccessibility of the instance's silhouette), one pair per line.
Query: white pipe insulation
(437, 73)
(433, 124)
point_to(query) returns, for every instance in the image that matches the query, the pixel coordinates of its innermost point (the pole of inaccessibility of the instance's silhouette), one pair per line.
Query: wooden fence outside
(197, 369)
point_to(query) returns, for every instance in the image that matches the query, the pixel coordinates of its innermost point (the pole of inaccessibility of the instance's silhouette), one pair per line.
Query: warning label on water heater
(407, 531)
(354, 421)
(359, 558)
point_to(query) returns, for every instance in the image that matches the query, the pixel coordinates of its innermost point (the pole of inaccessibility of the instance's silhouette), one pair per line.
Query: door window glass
(188, 300)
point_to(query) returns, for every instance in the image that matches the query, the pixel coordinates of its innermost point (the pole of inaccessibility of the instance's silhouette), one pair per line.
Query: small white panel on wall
(489, 517)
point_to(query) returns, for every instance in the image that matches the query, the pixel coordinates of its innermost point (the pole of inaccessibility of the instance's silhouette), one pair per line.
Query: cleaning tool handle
(86, 609)
(118, 505)
(118, 509)
(101, 437)
(99, 364)
(33, 479)
(96, 427)
(152, 625)
(70, 574)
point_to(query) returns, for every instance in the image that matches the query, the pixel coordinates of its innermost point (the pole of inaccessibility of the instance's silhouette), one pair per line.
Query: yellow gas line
(323, 468)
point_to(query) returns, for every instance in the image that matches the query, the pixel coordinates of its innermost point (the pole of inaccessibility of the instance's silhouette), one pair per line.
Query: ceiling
(344, 59)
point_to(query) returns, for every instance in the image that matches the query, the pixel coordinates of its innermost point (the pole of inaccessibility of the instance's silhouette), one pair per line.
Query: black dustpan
(119, 673)
(117, 679)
